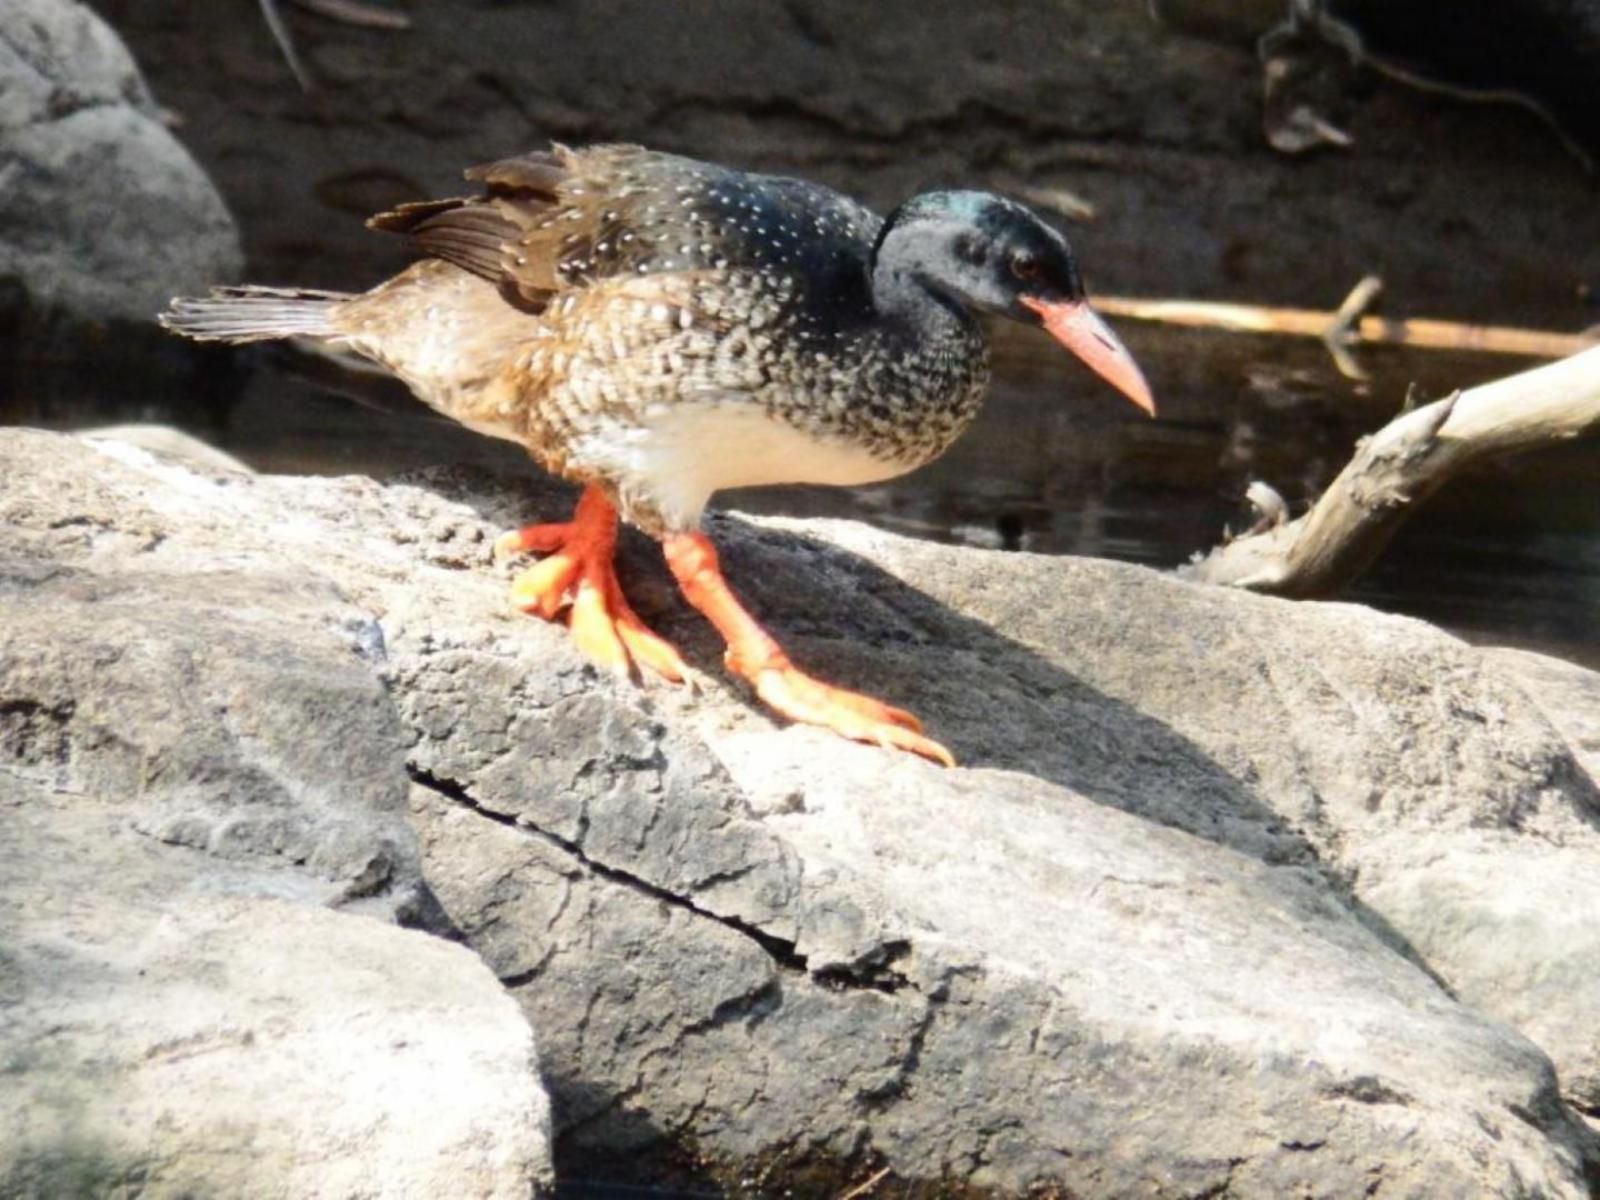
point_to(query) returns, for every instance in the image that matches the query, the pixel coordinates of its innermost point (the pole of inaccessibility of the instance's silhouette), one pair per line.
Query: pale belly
(672, 460)
(454, 340)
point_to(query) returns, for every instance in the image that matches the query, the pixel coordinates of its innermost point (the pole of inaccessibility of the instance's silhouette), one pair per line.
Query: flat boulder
(175, 1028)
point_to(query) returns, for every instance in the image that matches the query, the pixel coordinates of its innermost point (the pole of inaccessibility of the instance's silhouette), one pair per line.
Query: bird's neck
(908, 308)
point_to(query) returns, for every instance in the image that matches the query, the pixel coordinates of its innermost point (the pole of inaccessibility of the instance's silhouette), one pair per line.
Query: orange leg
(578, 574)
(753, 654)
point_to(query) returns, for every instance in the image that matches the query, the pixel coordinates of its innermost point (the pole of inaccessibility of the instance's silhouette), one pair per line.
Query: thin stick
(861, 1189)
(280, 34)
(353, 12)
(1401, 465)
(348, 12)
(1375, 330)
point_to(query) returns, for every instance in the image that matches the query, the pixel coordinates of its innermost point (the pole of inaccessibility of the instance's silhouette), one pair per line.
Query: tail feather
(254, 314)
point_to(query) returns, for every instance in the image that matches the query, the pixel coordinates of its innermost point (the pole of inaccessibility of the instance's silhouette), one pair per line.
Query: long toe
(648, 650)
(543, 588)
(594, 630)
(799, 697)
(532, 539)
(579, 572)
(605, 626)
(753, 654)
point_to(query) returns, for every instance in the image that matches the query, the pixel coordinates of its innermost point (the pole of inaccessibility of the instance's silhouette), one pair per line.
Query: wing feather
(558, 220)
(534, 228)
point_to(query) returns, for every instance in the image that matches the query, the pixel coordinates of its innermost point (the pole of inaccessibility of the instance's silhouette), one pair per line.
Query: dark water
(1057, 464)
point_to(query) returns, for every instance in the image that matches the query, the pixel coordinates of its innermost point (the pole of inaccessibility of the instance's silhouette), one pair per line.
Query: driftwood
(1351, 325)
(1400, 465)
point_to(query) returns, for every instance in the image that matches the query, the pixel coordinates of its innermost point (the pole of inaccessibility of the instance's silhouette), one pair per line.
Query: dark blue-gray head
(995, 255)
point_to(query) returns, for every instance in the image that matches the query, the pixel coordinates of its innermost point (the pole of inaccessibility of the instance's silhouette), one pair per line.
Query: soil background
(1469, 211)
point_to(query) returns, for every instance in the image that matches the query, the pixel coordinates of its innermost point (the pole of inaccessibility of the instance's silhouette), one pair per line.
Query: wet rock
(1542, 54)
(1545, 54)
(102, 213)
(1160, 933)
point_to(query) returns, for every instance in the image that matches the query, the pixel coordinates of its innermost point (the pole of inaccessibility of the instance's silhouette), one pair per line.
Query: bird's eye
(1025, 266)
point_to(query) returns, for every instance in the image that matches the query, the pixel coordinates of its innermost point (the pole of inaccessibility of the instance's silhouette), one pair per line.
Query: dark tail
(253, 314)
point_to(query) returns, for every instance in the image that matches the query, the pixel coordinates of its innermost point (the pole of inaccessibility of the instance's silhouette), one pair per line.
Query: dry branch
(1348, 326)
(1402, 464)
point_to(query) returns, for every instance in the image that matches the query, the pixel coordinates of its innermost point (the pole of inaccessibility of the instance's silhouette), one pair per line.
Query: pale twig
(1347, 327)
(347, 12)
(354, 12)
(273, 16)
(861, 1189)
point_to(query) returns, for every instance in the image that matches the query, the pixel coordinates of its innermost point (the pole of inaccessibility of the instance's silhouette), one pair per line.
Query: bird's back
(551, 223)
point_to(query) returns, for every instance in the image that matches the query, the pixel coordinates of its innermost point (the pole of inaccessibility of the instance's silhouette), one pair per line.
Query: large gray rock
(1159, 937)
(202, 850)
(1427, 774)
(102, 212)
(1513, 928)
(168, 1030)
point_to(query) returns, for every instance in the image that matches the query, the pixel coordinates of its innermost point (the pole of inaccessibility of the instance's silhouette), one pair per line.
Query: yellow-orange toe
(544, 588)
(579, 578)
(755, 655)
(532, 539)
(796, 695)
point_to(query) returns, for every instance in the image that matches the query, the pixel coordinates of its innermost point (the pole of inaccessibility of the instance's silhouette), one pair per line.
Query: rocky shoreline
(1231, 896)
(324, 874)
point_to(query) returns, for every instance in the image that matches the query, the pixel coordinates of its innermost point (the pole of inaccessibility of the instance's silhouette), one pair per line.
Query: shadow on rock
(995, 701)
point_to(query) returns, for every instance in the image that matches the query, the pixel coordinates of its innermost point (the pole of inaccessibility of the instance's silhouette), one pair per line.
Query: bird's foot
(753, 654)
(578, 576)
(792, 693)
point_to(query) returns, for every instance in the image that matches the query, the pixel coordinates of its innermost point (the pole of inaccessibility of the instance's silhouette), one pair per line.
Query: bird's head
(995, 255)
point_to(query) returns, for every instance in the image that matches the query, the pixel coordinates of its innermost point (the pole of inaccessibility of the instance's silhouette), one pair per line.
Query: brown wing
(546, 221)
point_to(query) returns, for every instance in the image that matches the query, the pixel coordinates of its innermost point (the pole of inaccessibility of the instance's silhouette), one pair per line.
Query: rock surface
(102, 213)
(177, 1030)
(202, 846)
(1230, 898)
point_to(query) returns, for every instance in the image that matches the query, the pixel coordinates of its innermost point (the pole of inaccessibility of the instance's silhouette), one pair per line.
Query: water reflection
(1058, 463)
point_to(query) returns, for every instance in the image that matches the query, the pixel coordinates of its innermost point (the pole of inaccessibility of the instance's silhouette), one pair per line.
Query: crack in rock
(874, 970)
(782, 951)
(895, 1088)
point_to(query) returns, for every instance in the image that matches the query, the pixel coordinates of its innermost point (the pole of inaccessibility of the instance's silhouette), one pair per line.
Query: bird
(657, 328)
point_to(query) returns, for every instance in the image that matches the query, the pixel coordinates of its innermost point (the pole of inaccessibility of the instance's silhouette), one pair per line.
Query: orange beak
(1079, 328)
